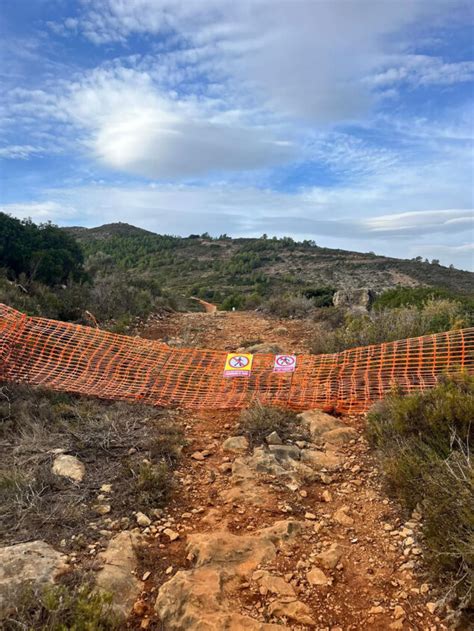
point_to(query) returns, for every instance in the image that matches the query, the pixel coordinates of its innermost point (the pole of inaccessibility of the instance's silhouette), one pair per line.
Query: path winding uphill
(279, 536)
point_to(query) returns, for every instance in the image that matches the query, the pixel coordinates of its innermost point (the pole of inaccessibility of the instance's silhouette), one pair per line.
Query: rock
(274, 584)
(34, 564)
(236, 444)
(319, 422)
(171, 534)
(116, 577)
(274, 439)
(197, 599)
(330, 558)
(283, 452)
(320, 459)
(340, 436)
(317, 577)
(326, 496)
(431, 607)
(69, 467)
(264, 347)
(310, 516)
(197, 455)
(341, 517)
(399, 612)
(106, 488)
(356, 300)
(296, 611)
(142, 519)
(225, 467)
(377, 610)
(102, 509)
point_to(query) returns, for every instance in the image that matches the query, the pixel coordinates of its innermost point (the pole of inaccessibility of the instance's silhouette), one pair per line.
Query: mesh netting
(83, 360)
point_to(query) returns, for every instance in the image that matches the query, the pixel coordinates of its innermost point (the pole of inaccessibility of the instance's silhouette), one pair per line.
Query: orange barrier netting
(84, 360)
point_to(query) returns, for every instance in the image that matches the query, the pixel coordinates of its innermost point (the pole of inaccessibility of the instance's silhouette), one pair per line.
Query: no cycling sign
(238, 365)
(284, 363)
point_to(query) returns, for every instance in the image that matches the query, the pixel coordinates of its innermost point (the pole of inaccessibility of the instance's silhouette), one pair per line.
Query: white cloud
(306, 59)
(19, 152)
(130, 126)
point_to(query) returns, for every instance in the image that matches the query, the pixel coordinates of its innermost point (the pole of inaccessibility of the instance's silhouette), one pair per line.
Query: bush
(153, 485)
(260, 420)
(61, 608)
(424, 443)
(418, 297)
(389, 325)
(287, 306)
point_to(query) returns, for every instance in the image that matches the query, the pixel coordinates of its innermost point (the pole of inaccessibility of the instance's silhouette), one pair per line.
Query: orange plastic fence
(89, 361)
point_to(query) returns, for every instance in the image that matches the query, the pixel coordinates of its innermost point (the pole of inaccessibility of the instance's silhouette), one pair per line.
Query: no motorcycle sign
(284, 363)
(238, 365)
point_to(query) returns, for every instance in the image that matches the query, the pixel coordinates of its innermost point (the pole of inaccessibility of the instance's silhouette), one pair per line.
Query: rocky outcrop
(34, 564)
(201, 598)
(117, 574)
(357, 300)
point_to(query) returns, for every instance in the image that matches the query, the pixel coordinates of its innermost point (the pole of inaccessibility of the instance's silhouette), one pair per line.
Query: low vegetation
(388, 324)
(258, 421)
(132, 447)
(425, 443)
(62, 608)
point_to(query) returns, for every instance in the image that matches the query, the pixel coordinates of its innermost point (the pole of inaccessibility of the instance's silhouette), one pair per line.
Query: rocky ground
(279, 535)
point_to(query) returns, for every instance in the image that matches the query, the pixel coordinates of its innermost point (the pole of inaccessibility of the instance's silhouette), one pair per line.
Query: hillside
(216, 268)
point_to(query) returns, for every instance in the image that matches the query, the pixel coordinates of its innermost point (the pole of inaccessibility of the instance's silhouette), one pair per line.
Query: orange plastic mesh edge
(83, 360)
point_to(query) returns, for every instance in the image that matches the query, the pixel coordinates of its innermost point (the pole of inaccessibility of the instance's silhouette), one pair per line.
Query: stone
(356, 300)
(106, 488)
(377, 610)
(319, 422)
(317, 577)
(274, 584)
(171, 534)
(197, 455)
(431, 607)
(197, 599)
(274, 439)
(326, 496)
(283, 452)
(69, 467)
(330, 558)
(264, 347)
(102, 509)
(295, 610)
(341, 517)
(142, 519)
(34, 564)
(340, 436)
(321, 459)
(310, 516)
(116, 577)
(398, 612)
(236, 444)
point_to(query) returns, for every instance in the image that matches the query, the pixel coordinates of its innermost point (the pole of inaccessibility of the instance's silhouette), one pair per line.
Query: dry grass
(260, 420)
(134, 448)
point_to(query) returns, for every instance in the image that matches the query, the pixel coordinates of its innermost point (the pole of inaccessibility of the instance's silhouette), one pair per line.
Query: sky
(349, 122)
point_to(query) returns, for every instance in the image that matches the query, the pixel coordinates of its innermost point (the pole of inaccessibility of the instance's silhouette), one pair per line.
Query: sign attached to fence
(284, 363)
(238, 365)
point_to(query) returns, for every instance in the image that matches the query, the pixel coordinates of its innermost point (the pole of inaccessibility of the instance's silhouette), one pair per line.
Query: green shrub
(424, 442)
(258, 421)
(388, 325)
(418, 297)
(62, 608)
(153, 485)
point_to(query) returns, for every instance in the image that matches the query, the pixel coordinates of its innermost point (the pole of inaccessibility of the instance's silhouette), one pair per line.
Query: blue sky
(349, 122)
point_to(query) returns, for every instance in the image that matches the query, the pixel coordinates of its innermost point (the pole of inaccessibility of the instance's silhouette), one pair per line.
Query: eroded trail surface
(276, 536)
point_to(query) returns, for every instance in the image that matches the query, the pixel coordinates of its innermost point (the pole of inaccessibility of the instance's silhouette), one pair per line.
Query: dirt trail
(294, 536)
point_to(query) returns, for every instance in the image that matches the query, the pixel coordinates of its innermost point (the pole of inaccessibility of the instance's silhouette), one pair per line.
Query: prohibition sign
(284, 363)
(285, 360)
(239, 361)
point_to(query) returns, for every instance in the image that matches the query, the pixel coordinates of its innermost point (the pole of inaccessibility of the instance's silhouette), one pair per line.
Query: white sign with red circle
(284, 363)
